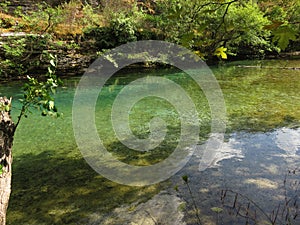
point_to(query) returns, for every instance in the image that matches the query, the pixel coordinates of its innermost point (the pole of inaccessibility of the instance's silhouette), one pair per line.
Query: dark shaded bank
(31, 56)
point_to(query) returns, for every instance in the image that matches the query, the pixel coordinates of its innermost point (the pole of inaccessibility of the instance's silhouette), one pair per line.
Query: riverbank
(72, 58)
(78, 32)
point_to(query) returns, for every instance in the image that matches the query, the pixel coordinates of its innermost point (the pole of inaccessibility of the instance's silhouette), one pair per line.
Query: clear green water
(52, 184)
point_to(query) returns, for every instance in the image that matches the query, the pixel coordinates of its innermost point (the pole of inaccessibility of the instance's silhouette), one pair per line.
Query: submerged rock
(163, 208)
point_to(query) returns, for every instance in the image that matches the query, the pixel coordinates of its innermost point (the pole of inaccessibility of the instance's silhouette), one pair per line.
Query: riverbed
(53, 184)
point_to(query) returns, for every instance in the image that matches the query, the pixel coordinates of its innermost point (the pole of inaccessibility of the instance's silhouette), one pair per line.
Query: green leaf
(52, 62)
(186, 39)
(49, 70)
(1, 169)
(220, 52)
(216, 209)
(185, 178)
(176, 188)
(51, 56)
(51, 105)
(283, 35)
(198, 53)
(182, 207)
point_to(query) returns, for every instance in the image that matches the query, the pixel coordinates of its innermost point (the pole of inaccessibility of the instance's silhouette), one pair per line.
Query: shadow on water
(53, 189)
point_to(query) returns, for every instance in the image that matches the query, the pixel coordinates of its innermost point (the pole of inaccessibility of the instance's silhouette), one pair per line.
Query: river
(53, 184)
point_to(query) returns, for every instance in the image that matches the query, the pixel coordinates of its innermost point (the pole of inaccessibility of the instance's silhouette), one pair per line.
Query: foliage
(285, 21)
(4, 107)
(120, 31)
(246, 29)
(38, 94)
(15, 48)
(21, 54)
(208, 27)
(122, 28)
(283, 35)
(64, 21)
(44, 19)
(4, 7)
(220, 52)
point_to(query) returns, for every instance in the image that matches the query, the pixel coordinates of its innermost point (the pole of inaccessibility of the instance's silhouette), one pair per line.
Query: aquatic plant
(285, 212)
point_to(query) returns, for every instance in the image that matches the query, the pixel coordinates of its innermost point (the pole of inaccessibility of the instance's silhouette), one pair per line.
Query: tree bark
(7, 129)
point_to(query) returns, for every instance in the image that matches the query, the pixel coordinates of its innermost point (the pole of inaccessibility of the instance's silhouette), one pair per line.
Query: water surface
(52, 184)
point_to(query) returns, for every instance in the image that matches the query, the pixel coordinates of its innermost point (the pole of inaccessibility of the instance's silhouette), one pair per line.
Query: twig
(185, 179)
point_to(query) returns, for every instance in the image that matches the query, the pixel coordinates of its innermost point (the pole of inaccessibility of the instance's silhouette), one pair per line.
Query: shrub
(205, 26)
(21, 54)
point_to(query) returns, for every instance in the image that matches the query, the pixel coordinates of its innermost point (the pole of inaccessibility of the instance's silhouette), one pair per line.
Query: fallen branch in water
(270, 67)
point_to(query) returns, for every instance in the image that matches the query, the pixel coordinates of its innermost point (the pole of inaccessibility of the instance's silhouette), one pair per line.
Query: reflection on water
(288, 140)
(226, 150)
(252, 164)
(286, 143)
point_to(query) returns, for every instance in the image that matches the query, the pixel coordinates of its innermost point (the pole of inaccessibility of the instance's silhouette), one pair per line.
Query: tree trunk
(7, 129)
